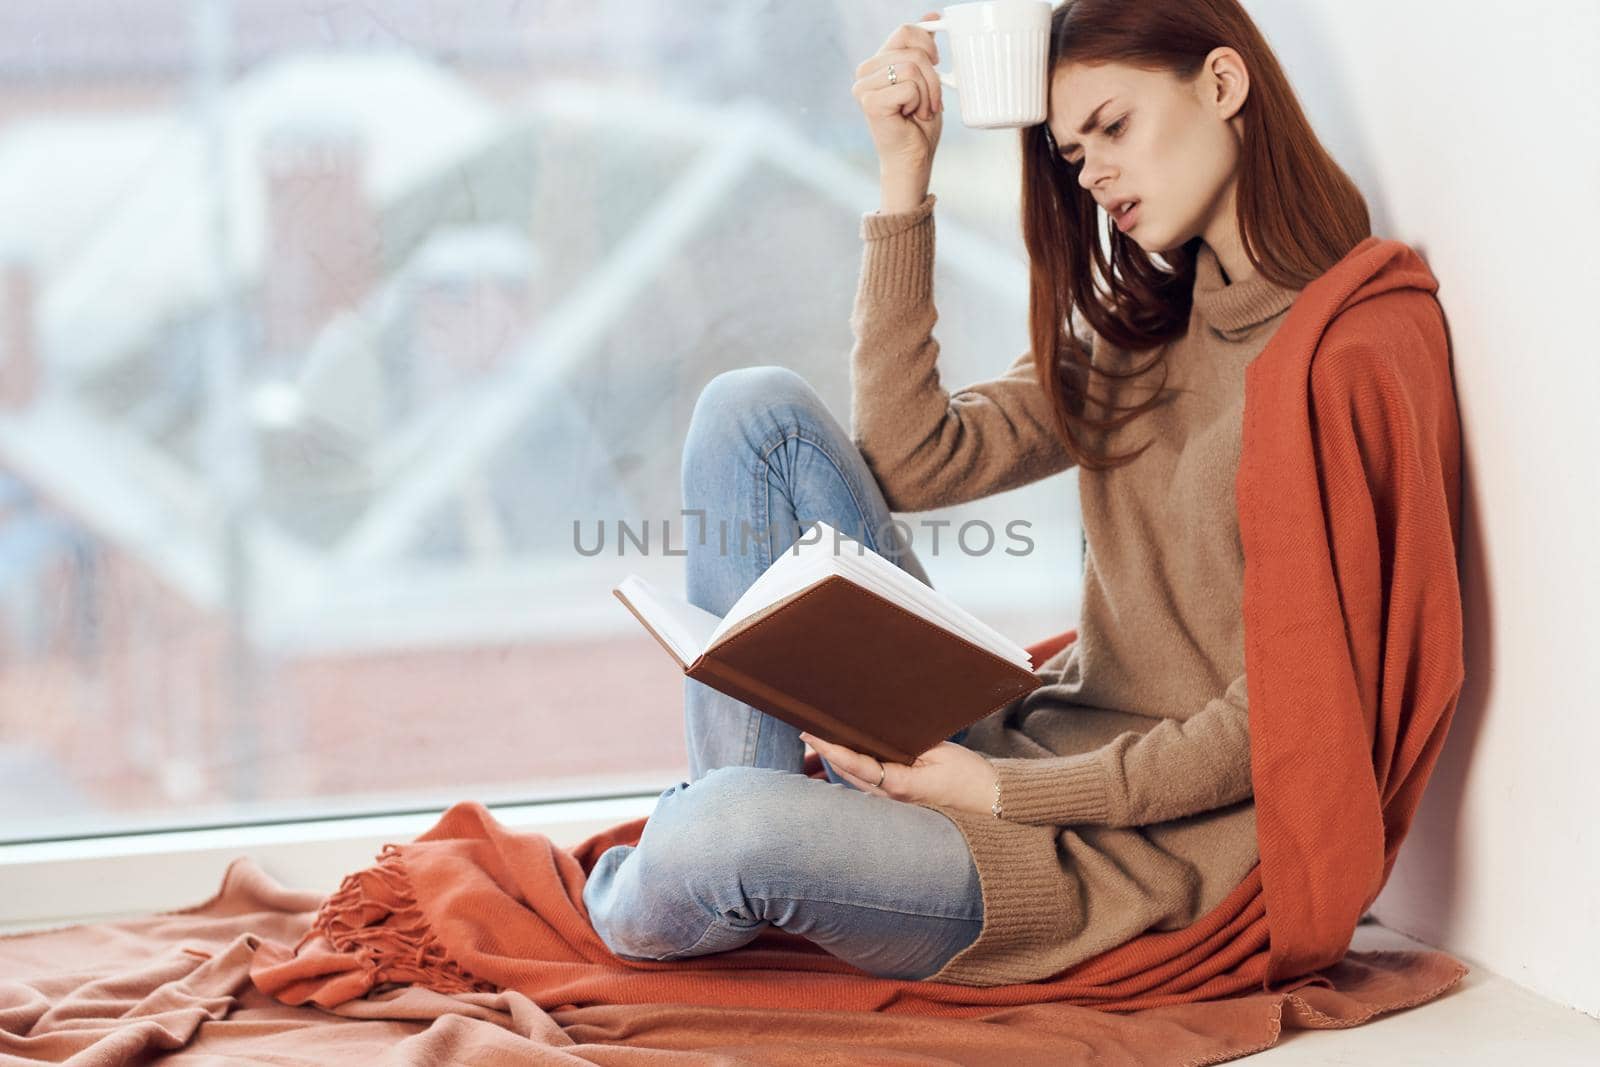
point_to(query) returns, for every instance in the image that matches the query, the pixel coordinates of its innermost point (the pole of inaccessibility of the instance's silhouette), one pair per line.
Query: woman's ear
(1227, 82)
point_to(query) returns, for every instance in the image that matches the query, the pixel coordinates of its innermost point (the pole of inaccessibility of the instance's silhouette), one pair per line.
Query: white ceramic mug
(999, 49)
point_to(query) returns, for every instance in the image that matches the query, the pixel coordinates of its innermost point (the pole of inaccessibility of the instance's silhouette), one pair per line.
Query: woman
(1116, 798)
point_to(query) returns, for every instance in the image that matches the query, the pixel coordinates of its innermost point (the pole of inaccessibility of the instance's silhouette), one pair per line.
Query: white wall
(1471, 129)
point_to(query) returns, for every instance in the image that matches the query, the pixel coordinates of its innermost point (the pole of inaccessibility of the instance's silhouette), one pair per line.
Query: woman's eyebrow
(1088, 124)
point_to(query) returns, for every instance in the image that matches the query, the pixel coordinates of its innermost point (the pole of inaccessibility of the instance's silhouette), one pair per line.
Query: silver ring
(892, 78)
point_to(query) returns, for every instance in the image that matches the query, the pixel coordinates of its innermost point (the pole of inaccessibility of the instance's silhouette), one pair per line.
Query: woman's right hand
(904, 118)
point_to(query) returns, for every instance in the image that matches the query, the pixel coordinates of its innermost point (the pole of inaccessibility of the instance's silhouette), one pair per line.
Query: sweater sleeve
(927, 447)
(1179, 767)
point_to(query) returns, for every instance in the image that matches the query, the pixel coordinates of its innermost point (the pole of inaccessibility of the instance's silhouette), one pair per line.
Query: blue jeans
(750, 840)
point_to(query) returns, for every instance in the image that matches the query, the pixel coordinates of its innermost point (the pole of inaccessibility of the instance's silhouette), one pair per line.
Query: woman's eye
(1115, 130)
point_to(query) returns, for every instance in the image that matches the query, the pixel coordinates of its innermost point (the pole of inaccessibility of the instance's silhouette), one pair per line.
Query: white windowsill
(54, 883)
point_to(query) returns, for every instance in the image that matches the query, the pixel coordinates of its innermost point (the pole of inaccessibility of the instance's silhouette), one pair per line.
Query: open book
(844, 645)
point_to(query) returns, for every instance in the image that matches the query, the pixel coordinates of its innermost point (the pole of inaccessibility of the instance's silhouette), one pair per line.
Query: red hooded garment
(1348, 492)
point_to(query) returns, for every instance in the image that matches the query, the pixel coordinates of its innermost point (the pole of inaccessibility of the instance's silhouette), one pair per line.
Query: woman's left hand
(947, 774)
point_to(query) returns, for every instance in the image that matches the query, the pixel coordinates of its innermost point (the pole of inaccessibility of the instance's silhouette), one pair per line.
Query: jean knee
(729, 401)
(758, 387)
(728, 803)
(704, 829)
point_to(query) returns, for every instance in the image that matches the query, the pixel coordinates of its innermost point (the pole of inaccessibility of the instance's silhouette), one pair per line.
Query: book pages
(684, 628)
(809, 561)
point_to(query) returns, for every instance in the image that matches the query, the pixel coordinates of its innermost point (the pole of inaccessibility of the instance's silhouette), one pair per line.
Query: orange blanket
(176, 989)
(1348, 497)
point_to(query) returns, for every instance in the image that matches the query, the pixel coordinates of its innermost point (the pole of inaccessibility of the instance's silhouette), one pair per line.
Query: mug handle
(931, 26)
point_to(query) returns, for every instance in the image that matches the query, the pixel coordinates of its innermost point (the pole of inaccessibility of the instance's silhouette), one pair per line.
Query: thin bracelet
(996, 807)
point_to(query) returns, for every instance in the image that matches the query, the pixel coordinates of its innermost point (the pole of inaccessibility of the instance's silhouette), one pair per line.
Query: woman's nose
(1090, 176)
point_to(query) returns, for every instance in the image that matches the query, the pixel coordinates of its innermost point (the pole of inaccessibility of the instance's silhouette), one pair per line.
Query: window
(324, 324)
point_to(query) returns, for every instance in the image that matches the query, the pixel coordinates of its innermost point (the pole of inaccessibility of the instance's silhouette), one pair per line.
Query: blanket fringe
(374, 916)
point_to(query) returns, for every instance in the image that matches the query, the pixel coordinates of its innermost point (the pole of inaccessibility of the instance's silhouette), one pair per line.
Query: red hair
(1298, 212)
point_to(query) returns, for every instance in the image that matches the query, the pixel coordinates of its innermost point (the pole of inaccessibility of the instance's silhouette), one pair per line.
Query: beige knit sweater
(1125, 777)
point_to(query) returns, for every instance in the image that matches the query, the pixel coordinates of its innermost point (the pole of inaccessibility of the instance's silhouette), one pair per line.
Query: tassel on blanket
(374, 914)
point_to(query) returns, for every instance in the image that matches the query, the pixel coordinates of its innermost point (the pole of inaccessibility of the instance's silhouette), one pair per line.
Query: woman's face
(1171, 145)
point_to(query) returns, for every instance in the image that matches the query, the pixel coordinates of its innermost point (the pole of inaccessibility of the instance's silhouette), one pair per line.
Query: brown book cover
(843, 662)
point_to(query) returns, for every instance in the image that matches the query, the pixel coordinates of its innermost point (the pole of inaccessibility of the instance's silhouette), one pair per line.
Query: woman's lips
(1129, 218)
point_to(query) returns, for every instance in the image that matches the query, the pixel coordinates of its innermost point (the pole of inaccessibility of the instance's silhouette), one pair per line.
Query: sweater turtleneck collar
(1235, 307)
